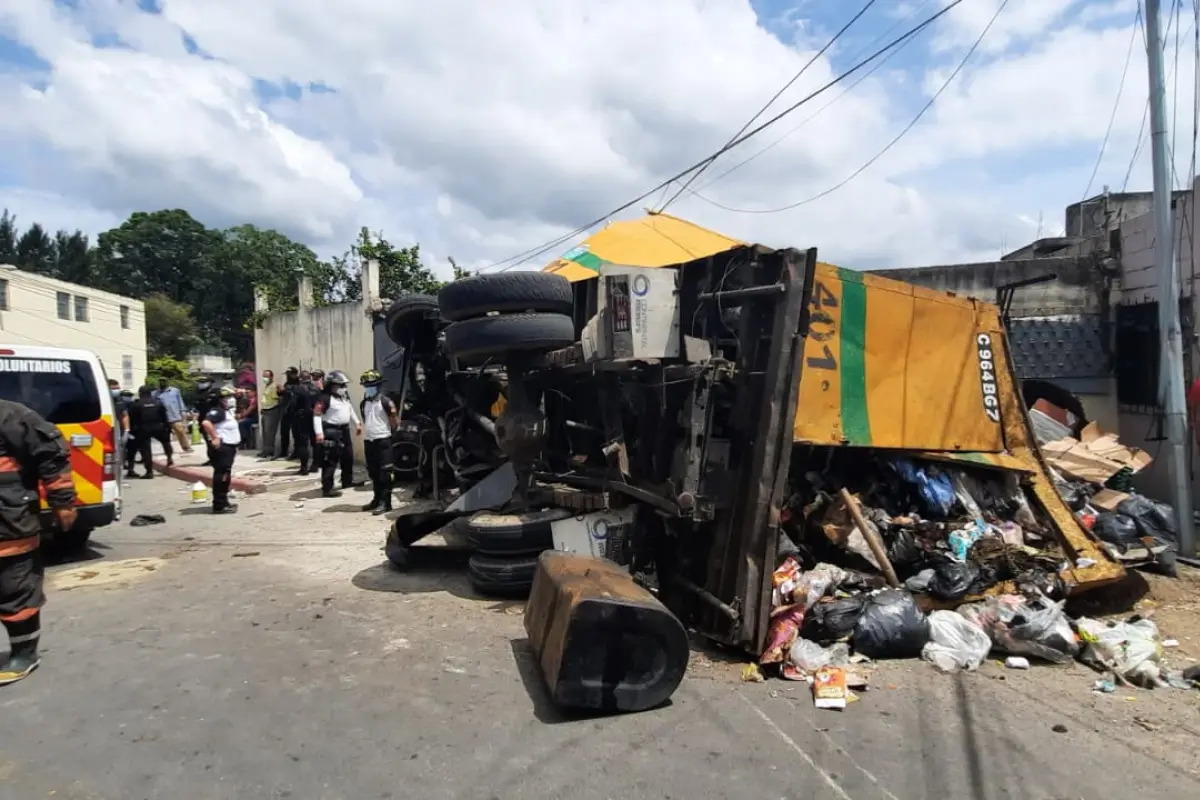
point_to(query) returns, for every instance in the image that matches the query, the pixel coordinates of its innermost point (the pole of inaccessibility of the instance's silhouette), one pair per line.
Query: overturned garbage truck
(663, 418)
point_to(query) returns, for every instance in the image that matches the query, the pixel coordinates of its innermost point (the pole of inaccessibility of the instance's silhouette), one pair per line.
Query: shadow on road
(432, 569)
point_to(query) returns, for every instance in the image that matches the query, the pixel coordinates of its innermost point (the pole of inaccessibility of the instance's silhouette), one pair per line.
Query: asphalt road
(272, 655)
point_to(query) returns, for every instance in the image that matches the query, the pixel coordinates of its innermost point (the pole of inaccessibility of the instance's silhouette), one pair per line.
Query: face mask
(230, 402)
(370, 391)
(116, 393)
(341, 391)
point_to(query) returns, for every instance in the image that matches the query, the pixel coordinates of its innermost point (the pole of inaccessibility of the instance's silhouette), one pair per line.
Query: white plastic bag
(1129, 649)
(955, 642)
(810, 656)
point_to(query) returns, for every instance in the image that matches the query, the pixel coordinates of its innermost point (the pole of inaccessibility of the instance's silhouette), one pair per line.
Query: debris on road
(141, 520)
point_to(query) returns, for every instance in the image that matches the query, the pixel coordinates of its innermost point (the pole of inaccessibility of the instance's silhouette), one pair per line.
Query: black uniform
(223, 456)
(32, 452)
(286, 399)
(148, 423)
(208, 399)
(302, 423)
(380, 456)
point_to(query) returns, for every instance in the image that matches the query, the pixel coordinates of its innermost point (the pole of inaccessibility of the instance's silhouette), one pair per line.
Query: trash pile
(874, 541)
(1093, 471)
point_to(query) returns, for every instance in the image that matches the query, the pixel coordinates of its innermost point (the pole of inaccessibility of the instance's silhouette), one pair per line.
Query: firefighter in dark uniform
(303, 396)
(207, 397)
(380, 418)
(286, 396)
(332, 416)
(32, 453)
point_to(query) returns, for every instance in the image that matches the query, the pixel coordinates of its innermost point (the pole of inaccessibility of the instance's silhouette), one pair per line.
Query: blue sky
(459, 132)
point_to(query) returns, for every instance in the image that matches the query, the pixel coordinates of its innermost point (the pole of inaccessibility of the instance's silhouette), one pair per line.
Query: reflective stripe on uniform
(19, 547)
(29, 637)
(20, 616)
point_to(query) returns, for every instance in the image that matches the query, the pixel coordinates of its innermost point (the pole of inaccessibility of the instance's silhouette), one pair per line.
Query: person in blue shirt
(172, 400)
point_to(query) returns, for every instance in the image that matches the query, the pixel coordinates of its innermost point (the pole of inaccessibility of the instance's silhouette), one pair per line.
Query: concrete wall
(111, 326)
(334, 337)
(1139, 284)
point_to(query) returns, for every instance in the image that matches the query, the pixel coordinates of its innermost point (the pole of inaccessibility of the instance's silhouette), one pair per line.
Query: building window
(1138, 352)
(125, 317)
(127, 371)
(81, 309)
(64, 305)
(3, 295)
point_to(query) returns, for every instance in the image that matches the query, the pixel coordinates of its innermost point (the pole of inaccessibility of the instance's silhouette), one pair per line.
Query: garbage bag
(891, 626)
(1130, 649)
(1075, 494)
(952, 580)
(955, 642)
(934, 487)
(810, 656)
(905, 551)
(1116, 529)
(830, 620)
(1021, 627)
(1152, 519)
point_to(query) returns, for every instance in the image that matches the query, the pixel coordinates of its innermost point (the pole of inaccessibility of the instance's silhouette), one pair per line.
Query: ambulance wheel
(513, 534)
(495, 337)
(492, 576)
(506, 293)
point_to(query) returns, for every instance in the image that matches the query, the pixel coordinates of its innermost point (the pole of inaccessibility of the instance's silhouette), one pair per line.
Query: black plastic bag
(1075, 494)
(832, 619)
(1117, 529)
(891, 626)
(905, 551)
(952, 580)
(1152, 519)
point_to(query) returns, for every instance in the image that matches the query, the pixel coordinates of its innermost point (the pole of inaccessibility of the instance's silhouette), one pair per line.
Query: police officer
(32, 452)
(303, 396)
(333, 414)
(380, 418)
(207, 396)
(147, 423)
(223, 433)
(286, 392)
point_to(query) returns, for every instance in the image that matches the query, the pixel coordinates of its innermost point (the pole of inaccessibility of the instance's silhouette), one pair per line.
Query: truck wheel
(506, 293)
(513, 534)
(405, 318)
(501, 577)
(491, 337)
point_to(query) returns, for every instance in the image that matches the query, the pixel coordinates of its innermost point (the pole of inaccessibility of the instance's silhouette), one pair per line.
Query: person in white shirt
(333, 414)
(221, 428)
(380, 418)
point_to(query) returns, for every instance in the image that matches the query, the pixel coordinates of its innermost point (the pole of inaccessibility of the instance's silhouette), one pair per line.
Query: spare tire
(493, 337)
(406, 317)
(501, 577)
(513, 534)
(505, 293)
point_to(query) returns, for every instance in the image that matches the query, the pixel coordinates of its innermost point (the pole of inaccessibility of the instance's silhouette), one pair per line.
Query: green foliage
(174, 370)
(199, 284)
(170, 329)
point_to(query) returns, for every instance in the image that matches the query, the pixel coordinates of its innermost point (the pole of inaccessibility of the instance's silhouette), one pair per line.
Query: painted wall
(111, 326)
(334, 337)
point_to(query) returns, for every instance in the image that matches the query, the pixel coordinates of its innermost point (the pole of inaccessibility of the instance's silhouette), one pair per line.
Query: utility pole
(1170, 335)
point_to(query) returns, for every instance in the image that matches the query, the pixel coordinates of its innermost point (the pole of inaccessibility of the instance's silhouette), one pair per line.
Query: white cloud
(483, 129)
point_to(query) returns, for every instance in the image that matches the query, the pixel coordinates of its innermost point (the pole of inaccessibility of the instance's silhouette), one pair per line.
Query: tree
(8, 238)
(72, 257)
(170, 329)
(164, 252)
(175, 371)
(400, 269)
(35, 251)
(459, 272)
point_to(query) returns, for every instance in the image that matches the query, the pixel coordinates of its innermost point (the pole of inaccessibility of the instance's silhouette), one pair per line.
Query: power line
(878, 66)
(887, 147)
(1137, 19)
(687, 184)
(526, 255)
(1137, 147)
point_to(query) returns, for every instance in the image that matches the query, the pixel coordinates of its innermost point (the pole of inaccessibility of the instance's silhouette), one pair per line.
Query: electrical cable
(691, 179)
(887, 147)
(792, 131)
(526, 255)
(1137, 147)
(1112, 118)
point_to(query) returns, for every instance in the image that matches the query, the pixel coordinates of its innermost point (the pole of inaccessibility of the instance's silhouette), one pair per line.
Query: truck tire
(513, 534)
(506, 293)
(493, 337)
(405, 317)
(501, 577)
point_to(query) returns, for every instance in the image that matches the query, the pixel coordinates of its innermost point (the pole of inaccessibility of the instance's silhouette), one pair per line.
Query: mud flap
(602, 642)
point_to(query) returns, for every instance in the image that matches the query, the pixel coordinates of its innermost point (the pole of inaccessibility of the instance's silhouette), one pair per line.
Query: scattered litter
(1016, 662)
(248, 554)
(1021, 627)
(1129, 649)
(1170, 643)
(829, 688)
(752, 674)
(142, 520)
(1060, 728)
(1104, 686)
(891, 626)
(955, 642)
